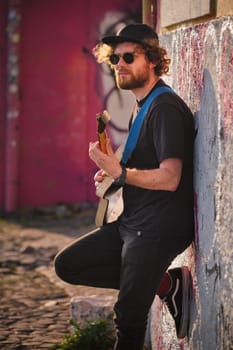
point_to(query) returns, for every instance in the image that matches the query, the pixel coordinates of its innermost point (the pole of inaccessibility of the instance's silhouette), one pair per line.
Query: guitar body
(109, 208)
(110, 205)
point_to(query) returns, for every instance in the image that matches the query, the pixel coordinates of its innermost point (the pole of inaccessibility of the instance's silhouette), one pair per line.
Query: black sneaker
(177, 299)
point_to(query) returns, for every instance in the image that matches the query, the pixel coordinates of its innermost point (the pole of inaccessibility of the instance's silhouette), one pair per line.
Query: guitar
(110, 204)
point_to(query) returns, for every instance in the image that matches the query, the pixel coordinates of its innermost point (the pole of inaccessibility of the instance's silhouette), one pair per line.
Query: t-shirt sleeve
(168, 132)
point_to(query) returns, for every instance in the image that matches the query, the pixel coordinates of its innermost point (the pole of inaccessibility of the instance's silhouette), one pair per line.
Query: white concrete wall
(202, 73)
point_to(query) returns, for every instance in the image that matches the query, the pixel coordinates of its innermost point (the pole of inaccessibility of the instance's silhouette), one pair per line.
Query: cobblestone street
(35, 305)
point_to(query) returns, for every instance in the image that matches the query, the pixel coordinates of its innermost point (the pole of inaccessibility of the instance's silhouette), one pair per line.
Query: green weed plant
(98, 335)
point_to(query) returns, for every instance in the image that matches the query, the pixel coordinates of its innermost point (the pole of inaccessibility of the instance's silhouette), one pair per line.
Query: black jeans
(132, 262)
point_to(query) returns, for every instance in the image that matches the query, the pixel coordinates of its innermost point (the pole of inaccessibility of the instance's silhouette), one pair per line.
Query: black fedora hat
(136, 32)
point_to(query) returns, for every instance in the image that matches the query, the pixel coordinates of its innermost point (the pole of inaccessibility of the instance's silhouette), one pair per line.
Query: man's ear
(153, 65)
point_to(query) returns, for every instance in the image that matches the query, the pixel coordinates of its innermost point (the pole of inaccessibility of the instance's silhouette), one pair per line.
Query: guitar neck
(103, 141)
(102, 120)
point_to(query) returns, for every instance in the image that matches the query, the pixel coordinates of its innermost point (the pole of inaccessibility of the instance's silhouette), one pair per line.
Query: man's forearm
(167, 177)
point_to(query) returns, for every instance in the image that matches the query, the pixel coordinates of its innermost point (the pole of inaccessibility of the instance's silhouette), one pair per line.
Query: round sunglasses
(128, 57)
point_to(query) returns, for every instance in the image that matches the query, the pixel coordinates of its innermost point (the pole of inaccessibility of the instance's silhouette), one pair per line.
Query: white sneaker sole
(184, 320)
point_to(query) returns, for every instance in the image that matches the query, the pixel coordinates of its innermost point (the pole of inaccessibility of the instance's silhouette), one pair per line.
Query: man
(133, 253)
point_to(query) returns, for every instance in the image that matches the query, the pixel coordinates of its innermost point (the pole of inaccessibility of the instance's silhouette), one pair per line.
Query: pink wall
(54, 110)
(3, 43)
(60, 94)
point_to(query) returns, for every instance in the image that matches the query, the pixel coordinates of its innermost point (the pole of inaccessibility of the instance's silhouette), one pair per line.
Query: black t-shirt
(167, 132)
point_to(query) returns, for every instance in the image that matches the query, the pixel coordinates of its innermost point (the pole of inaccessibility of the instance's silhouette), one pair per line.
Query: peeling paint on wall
(13, 110)
(3, 84)
(202, 73)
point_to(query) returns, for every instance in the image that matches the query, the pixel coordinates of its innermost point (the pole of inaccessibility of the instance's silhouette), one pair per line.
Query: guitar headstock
(102, 119)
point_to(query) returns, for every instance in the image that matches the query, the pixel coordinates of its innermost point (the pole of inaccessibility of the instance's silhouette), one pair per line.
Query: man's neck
(141, 93)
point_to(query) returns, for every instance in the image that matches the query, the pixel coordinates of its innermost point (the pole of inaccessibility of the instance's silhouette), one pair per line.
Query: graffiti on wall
(118, 103)
(202, 73)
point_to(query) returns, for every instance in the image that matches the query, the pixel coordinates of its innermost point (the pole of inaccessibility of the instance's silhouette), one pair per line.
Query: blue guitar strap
(137, 124)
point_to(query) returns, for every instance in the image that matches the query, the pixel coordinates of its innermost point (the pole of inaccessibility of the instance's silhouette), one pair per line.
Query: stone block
(224, 8)
(86, 309)
(173, 12)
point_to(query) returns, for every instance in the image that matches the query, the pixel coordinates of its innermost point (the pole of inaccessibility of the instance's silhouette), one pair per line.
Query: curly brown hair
(158, 55)
(154, 52)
